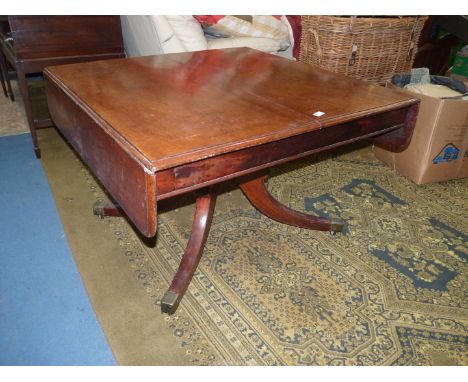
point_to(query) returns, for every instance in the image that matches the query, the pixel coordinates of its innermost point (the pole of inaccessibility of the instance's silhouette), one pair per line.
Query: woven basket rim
(367, 17)
(370, 48)
(404, 21)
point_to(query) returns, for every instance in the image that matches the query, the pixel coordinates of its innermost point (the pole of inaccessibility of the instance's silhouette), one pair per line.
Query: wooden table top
(173, 109)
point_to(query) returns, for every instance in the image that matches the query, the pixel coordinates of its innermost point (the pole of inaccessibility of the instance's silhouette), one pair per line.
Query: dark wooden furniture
(4, 80)
(40, 41)
(434, 52)
(5, 37)
(154, 127)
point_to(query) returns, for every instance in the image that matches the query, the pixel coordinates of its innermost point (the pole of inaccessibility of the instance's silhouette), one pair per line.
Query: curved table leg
(204, 209)
(256, 191)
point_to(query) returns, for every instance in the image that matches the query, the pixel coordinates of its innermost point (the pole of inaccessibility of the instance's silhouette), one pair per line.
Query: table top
(174, 109)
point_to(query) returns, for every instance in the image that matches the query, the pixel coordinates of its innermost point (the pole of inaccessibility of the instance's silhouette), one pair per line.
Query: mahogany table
(154, 127)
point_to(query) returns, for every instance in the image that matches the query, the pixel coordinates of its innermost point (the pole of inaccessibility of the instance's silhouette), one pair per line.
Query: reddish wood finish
(126, 179)
(205, 204)
(38, 37)
(255, 190)
(103, 210)
(186, 107)
(40, 41)
(155, 127)
(399, 139)
(219, 168)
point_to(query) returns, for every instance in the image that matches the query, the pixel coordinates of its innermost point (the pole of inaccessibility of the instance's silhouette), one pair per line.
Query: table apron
(202, 173)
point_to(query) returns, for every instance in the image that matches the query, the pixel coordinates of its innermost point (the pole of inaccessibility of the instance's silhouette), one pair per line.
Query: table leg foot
(170, 302)
(23, 87)
(257, 193)
(10, 90)
(337, 225)
(37, 152)
(103, 209)
(204, 209)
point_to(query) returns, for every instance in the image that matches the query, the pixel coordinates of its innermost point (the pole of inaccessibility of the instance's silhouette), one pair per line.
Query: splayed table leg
(204, 209)
(256, 191)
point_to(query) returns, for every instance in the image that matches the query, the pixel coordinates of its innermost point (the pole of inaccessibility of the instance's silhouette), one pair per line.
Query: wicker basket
(367, 48)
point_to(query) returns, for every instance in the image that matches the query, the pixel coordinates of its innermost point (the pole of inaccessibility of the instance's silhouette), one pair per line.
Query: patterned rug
(391, 290)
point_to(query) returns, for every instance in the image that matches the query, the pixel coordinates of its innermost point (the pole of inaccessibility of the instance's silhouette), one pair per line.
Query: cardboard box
(438, 148)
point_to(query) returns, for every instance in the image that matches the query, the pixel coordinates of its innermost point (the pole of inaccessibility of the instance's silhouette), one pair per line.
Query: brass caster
(170, 302)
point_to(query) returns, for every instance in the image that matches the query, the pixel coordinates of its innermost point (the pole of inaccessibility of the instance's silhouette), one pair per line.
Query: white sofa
(149, 35)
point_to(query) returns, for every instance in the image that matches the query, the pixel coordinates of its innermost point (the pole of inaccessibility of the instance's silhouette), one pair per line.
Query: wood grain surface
(154, 127)
(178, 108)
(58, 36)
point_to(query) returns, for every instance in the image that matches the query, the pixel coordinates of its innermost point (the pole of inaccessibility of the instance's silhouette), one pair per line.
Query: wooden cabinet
(40, 41)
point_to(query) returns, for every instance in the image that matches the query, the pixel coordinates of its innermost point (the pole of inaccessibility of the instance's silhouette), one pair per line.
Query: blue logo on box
(447, 154)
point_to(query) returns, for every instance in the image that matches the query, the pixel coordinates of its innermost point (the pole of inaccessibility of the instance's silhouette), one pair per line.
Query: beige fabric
(148, 35)
(263, 44)
(140, 36)
(188, 31)
(261, 26)
(170, 43)
(433, 90)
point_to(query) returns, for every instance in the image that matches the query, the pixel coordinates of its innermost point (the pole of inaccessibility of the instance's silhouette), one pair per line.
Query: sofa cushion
(170, 42)
(140, 36)
(246, 26)
(188, 31)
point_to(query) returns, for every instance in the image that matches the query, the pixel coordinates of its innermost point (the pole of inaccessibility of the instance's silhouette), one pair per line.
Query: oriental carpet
(391, 290)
